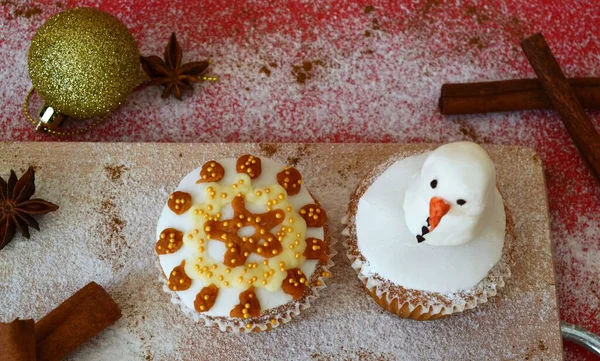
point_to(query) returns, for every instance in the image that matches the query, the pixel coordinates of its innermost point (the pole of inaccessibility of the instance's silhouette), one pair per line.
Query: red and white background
(351, 71)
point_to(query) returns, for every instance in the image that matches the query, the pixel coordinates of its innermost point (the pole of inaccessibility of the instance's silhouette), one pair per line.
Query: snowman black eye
(460, 202)
(433, 183)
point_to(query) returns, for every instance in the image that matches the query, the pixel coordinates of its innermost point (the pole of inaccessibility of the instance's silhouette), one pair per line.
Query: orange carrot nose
(437, 209)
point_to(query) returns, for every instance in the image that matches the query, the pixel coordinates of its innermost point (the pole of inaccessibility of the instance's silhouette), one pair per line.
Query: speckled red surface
(375, 77)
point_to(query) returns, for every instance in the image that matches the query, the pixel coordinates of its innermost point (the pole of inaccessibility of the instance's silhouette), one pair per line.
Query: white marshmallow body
(461, 171)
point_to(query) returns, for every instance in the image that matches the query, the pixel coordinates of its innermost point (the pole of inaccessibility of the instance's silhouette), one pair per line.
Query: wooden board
(111, 195)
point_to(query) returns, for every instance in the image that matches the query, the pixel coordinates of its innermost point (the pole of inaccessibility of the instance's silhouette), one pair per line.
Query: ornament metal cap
(49, 118)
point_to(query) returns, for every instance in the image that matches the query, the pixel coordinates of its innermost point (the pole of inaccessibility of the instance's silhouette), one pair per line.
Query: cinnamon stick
(511, 95)
(17, 341)
(564, 100)
(79, 318)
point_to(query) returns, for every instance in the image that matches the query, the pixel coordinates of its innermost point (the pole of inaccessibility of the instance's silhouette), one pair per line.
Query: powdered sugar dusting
(343, 322)
(377, 88)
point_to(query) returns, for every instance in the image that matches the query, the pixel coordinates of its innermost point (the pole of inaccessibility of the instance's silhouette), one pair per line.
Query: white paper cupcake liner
(281, 314)
(437, 303)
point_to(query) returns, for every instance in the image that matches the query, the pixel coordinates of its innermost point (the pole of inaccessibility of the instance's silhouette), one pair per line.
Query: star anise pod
(16, 207)
(170, 73)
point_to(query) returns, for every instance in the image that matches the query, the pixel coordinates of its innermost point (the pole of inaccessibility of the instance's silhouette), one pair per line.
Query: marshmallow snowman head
(447, 202)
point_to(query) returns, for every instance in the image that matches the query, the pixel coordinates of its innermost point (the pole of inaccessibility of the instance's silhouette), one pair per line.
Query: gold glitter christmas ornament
(83, 63)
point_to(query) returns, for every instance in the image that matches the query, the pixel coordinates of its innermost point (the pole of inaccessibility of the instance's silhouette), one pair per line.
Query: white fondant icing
(390, 246)
(228, 297)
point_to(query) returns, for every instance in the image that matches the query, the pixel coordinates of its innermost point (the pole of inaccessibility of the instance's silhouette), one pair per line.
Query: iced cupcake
(429, 234)
(243, 244)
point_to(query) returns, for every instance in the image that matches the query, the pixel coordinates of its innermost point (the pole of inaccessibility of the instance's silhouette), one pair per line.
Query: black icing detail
(461, 202)
(424, 231)
(433, 183)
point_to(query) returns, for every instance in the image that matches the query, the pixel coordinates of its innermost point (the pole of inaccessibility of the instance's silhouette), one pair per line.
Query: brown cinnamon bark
(79, 318)
(511, 95)
(564, 100)
(17, 341)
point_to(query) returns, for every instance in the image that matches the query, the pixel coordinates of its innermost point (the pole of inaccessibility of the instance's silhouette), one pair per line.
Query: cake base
(419, 313)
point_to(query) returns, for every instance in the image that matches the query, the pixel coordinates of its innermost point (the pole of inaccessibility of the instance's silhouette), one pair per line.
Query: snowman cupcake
(243, 244)
(429, 234)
